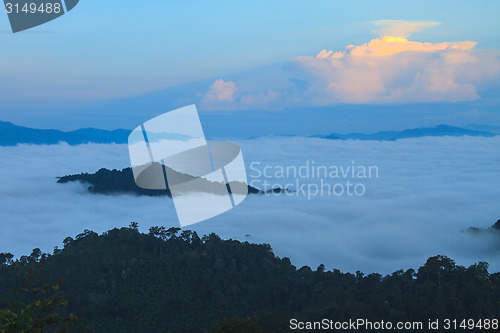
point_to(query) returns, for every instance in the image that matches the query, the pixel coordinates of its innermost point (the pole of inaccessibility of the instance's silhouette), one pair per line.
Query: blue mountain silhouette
(11, 135)
(440, 130)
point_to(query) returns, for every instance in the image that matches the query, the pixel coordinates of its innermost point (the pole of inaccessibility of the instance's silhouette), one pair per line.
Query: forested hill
(173, 281)
(115, 181)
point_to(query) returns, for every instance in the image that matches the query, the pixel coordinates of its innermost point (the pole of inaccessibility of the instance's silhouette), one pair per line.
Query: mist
(428, 191)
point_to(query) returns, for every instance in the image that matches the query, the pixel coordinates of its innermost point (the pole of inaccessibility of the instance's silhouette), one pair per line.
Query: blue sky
(81, 69)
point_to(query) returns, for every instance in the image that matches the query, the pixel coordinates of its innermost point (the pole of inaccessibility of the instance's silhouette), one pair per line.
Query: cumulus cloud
(400, 28)
(395, 69)
(220, 92)
(388, 69)
(428, 191)
(224, 95)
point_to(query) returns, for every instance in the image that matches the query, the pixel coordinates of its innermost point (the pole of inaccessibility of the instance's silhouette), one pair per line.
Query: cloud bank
(427, 192)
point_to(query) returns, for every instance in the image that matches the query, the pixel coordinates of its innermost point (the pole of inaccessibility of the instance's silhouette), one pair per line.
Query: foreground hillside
(173, 281)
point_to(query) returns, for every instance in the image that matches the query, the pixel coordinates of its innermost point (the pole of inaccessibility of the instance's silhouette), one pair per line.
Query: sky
(115, 64)
(426, 193)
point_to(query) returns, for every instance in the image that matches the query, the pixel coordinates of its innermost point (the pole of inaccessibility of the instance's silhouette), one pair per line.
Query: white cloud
(389, 69)
(220, 93)
(224, 95)
(394, 69)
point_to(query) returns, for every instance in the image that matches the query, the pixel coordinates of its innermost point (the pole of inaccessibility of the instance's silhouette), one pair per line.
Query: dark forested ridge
(175, 281)
(115, 181)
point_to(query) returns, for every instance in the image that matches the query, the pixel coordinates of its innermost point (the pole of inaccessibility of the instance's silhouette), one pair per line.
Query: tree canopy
(173, 280)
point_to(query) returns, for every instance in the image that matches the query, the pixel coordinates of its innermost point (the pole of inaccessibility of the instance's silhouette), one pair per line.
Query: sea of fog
(419, 198)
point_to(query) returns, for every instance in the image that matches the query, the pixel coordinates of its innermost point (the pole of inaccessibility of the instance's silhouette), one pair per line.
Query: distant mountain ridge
(487, 128)
(11, 135)
(440, 130)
